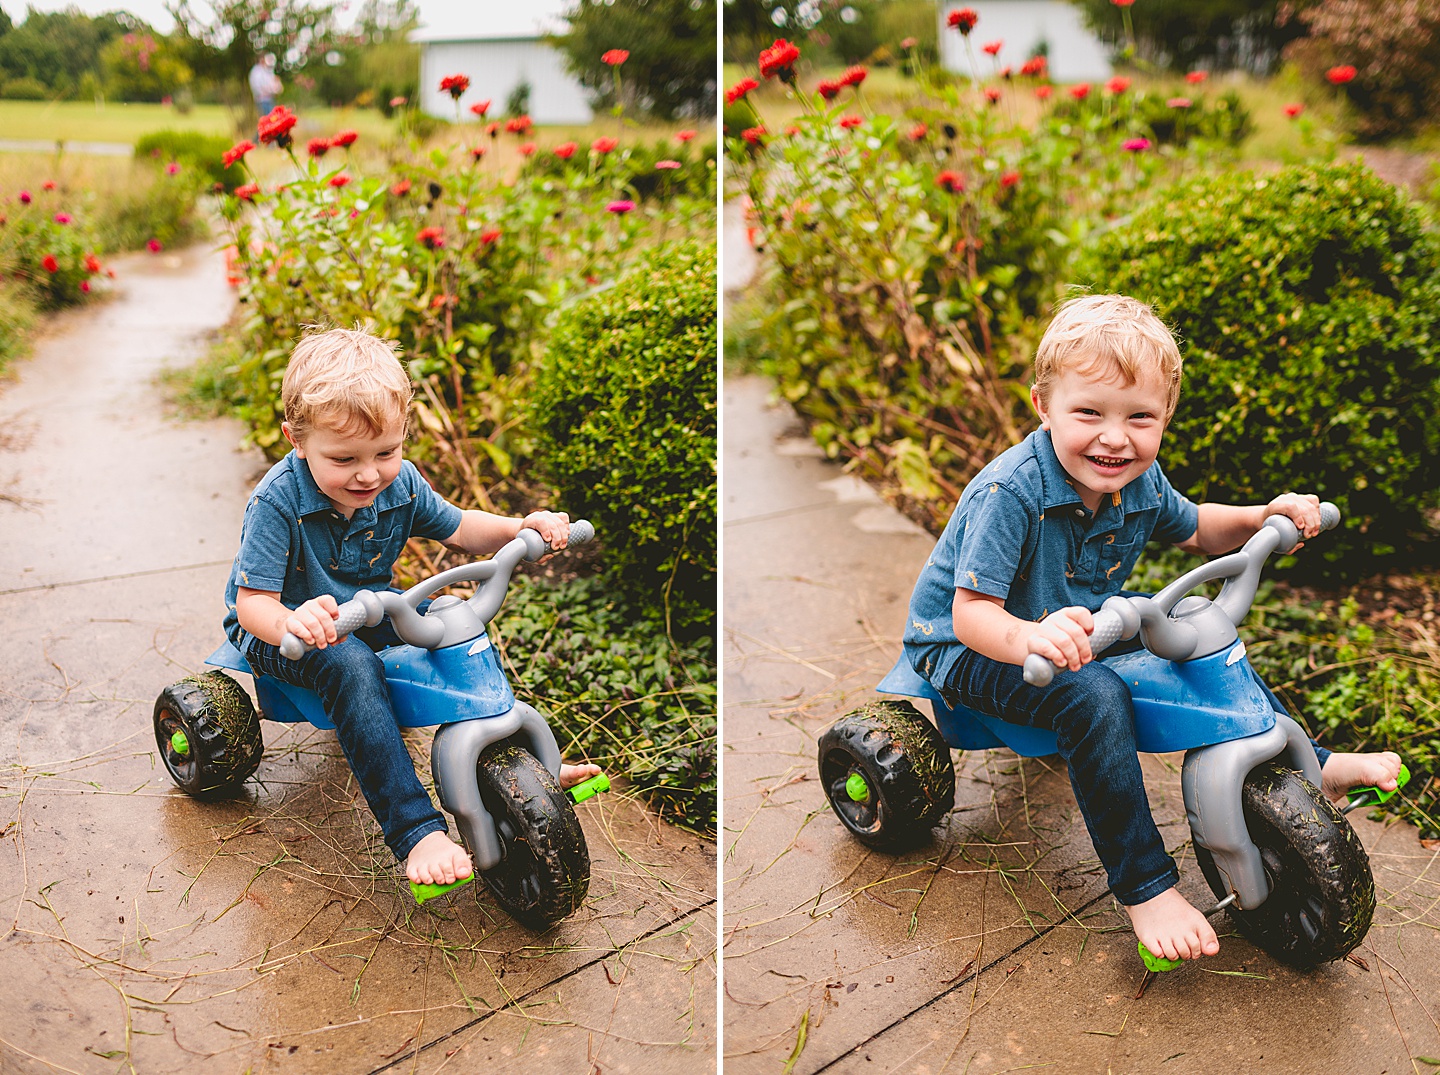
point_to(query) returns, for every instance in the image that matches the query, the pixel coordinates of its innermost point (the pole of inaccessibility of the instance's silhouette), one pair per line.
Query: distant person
(265, 85)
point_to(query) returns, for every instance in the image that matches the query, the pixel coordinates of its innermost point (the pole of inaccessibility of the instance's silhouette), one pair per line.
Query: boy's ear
(1039, 407)
(289, 434)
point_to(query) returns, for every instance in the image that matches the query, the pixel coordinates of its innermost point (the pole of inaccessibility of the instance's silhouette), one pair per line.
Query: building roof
(490, 20)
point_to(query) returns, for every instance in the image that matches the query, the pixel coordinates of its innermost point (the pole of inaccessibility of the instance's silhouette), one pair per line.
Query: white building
(1075, 54)
(498, 46)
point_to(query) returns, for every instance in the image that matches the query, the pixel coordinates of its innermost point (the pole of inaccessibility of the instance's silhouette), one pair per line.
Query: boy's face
(1106, 433)
(351, 468)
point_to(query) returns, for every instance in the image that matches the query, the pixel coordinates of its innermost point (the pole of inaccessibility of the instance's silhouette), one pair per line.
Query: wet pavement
(143, 930)
(996, 947)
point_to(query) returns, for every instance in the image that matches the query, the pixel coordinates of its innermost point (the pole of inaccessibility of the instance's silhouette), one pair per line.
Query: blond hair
(347, 380)
(1094, 331)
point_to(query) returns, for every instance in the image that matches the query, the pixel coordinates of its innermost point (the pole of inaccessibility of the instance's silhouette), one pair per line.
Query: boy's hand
(1301, 509)
(1063, 637)
(314, 622)
(553, 526)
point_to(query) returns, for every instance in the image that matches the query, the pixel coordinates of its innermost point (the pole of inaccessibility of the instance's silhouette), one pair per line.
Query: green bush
(623, 408)
(1308, 307)
(160, 203)
(25, 89)
(17, 315)
(192, 149)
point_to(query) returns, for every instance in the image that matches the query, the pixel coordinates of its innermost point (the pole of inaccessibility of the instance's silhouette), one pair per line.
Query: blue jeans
(349, 678)
(1093, 719)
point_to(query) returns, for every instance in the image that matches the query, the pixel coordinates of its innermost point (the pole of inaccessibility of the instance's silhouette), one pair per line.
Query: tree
(1186, 34)
(58, 49)
(671, 68)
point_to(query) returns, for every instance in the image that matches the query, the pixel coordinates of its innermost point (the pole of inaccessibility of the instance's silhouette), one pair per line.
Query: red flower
(685, 136)
(992, 94)
(917, 133)
(318, 147)
(527, 148)
(1081, 91)
(566, 151)
(620, 206)
(51, 265)
(603, 145)
(1044, 92)
(1122, 3)
(1294, 110)
(1197, 77)
(1035, 65)
(1009, 179)
(85, 286)
(49, 184)
(455, 85)
(481, 107)
(344, 139)
(154, 246)
(850, 121)
(24, 197)
(493, 129)
(753, 135)
(962, 19)
(433, 238)
(740, 89)
(992, 48)
(398, 102)
(236, 152)
(276, 126)
(853, 76)
(476, 152)
(779, 60)
(614, 57)
(401, 188)
(1338, 76)
(247, 192)
(92, 263)
(1179, 102)
(829, 90)
(519, 125)
(1117, 85)
(1007, 71)
(339, 181)
(489, 235)
(950, 181)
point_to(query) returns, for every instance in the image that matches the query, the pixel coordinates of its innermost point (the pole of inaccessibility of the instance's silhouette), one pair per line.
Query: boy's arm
(261, 613)
(1223, 527)
(983, 625)
(481, 533)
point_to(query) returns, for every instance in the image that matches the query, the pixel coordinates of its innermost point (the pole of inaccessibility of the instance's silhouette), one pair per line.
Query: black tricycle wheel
(888, 775)
(545, 872)
(1322, 891)
(208, 734)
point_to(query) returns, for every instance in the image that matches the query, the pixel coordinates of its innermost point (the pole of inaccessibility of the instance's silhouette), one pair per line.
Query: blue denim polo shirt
(1021, 533)
(293, 542)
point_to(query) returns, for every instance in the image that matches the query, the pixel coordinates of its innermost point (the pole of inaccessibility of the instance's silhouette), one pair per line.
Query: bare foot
(437, 860)
(1345, 771)
(1170, 927)
(570, 775)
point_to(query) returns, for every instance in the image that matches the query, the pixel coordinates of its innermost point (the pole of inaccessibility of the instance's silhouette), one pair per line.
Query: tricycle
(1280, 858)
(494, 759)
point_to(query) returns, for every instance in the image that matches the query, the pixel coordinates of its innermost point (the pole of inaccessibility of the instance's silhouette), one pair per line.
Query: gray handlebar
(1110, 627)
(365, 609)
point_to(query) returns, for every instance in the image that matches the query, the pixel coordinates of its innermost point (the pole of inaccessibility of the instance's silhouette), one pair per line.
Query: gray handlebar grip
(1329, 515)
(536, 546)
(365, 608)
(1109, 629)
(581, 531)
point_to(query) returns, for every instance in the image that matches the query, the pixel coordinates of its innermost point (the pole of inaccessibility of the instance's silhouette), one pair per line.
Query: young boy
(1044, 535)
(330, 519)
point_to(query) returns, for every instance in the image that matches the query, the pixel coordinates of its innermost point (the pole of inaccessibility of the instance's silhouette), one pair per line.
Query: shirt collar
(1057, 490)
(313, 500)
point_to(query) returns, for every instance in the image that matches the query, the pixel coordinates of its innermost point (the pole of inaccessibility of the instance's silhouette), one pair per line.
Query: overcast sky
(432, 12)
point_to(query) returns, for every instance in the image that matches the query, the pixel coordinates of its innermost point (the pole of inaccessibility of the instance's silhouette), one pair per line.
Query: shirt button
(1079, 513)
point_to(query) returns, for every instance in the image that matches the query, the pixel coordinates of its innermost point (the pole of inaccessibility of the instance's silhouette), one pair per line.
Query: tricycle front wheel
(1322, 891)
(545, 871)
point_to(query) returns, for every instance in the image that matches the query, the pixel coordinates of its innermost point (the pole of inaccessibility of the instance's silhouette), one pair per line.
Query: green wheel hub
(856, 788)
(179, 743)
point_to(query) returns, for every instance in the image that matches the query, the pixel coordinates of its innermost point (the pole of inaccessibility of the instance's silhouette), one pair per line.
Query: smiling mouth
(1108, 462)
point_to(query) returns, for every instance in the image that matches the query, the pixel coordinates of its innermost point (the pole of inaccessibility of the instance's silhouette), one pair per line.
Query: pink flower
(1197, 77)
(1135, 145)
(992, 48)
(1293, 110)
(398, 102)
(614, 57)
(63, 218)
(667, 166)
(172, 168)
(85, 286)
(24, 197)
(620, 207)
(154, 246)
(1178, 102)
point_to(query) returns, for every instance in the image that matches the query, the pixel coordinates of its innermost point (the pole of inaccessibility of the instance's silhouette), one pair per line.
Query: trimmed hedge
(623, 409)
(1307, 304)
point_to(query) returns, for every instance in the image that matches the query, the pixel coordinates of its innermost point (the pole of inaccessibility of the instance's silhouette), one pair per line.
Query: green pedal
(423, 892)
(1369, 795)
(1158, 964)
(584, 790)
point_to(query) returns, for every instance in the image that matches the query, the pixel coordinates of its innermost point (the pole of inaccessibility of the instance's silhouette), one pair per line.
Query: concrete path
(997, 947)
(142, 930)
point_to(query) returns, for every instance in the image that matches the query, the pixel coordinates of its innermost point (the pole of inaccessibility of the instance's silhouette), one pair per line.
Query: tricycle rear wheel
(545, 871)
(208, 734)
(887, 774)
(1322, 895)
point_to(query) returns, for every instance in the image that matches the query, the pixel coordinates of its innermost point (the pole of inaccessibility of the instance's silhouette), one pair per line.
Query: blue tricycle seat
(1178, 706)
(427, 687)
